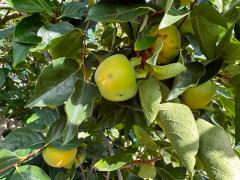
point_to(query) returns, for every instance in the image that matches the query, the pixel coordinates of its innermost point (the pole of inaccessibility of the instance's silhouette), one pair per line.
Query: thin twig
(84, 46)
(10, 17)
(139, 161)
(22, 159)
(111, 152)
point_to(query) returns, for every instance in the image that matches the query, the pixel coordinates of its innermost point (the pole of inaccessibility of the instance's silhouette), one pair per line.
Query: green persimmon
(115, 78)
(199, 96)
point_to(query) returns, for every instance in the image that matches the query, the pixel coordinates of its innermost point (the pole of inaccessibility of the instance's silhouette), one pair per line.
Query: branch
(84, 46)
(22, 159)
(139, 161)
(111, 152)
(10, 17)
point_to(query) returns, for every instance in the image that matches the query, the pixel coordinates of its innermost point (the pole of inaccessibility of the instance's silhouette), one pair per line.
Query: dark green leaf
(22, 138)
(2, 78)
(26, 29)
(117, 11)
(150, 97)
(6, 32)
(169, 172)
(20, 52)
(67, 45)
(31, 6)
(79, 107)
(111, 119)
(55, 83)
(218, 158)
(195, 70)
(205, 31)
(7, 158)
(53, 31)
(112, 163)
(56, 130)
(42, 119)
(74, 9)
(180, 127)
(29, 172)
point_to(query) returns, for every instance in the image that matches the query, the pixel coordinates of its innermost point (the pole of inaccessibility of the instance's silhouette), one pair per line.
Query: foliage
(50, 50)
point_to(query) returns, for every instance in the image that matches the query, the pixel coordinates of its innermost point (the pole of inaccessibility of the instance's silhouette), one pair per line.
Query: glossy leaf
(67, 45)
(26, 29)
(55, 131)
(7, 158)
(75, 10)
(218, 158)
(144, 41)
(190, 77)
(20, 52)
(29, 172)
(150, 98)
(42, 119)
(205, 31)
(153, 59)
(112, 163)
(79, 107)
(55, 84)
(105, 11)
(167, 71)
(179, 125)
(17, 140)
(31, 6)
(53, 31)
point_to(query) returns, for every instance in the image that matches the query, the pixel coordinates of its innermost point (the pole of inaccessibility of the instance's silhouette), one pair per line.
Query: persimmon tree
(120, 89)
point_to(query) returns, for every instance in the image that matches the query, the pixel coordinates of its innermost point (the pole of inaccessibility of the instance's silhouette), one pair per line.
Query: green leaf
(42, 119)
(147, 171)
(205, 31)
(107, 11)
(67, 45)
(112, 163)
(26, 29)
(168, 172)
(2, 78)
(22, 138)
(31, 6)
(55, 83)
(7, 158)
(6, 32)
(75, 10)
(172, 16)
(150, 98)
(153, 59)
(144, 41)
(144, 138)
(20, 52)
(167, 71)
(212, 15)
(111, 119)
(237, 118)
(29, 172)
(218, 158)
(56, 130)
(53, 31)
(79, 107)
(179, 125)
(195, 70)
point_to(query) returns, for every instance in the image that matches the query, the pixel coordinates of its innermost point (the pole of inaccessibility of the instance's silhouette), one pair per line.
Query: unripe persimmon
(115, 78)
(199, 96)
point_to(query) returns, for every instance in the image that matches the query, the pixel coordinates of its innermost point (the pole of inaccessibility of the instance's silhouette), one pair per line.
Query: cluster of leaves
(57, 45)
